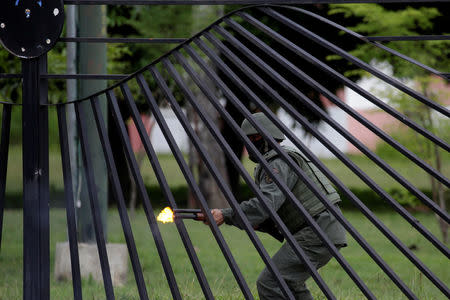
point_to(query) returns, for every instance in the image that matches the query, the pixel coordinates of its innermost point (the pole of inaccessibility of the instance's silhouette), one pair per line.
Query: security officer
(291, 268)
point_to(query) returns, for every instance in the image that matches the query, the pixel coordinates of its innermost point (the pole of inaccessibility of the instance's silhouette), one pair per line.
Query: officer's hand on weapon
(217, 215)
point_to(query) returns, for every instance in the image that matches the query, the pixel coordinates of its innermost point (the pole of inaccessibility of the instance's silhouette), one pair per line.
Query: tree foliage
(377, 20)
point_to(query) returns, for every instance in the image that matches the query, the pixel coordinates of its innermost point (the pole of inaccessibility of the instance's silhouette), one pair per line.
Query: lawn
(406, 168)
(218, 273)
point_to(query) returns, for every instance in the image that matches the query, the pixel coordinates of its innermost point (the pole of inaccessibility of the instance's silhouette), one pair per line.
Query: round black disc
(30, 28)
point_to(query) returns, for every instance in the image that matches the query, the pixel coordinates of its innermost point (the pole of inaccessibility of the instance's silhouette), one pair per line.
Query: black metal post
(70, 207)
(4, 146)
(36, 253)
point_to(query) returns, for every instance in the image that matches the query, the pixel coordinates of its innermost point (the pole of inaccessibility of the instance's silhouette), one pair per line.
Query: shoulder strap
(314, 170)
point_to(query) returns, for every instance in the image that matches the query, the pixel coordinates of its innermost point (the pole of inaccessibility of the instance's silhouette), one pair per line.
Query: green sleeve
(274, 197)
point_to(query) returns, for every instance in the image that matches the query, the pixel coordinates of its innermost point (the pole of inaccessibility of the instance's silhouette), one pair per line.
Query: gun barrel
(186, 216)
(187, 210)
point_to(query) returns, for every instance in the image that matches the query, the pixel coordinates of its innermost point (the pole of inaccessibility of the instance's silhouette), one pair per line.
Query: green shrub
(180, 193)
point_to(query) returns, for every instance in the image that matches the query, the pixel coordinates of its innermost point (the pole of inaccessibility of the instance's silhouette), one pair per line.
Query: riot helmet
(260, 143)
(264, 122)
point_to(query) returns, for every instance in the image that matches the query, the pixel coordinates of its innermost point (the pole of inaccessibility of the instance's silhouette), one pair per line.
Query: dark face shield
(260, 144)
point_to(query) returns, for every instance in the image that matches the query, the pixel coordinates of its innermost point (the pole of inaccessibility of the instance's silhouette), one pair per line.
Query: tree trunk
(139, 150)
(193, 159)
(133, 189)
(440, 195)
(205, 180)
(437, 188)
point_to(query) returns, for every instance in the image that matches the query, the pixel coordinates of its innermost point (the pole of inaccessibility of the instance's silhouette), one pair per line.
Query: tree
(309, 46)
(378, 20)
(433, 155)
(172, 22)
(374, 19)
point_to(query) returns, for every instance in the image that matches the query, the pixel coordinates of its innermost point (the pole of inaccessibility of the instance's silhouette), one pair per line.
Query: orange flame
(166, 215)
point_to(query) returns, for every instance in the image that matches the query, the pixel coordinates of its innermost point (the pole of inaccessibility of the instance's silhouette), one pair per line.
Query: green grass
(406, 168)
(218, 273)
(175, 178)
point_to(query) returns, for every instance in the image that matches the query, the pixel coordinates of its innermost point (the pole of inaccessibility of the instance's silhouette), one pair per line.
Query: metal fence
(220, 47)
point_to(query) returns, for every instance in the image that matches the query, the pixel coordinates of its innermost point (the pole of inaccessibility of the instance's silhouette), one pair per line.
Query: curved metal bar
(335, 252)
(372, 40)
(199, 196)
(345, 107)
(290, 239)
(10, 103)
(300, 96)
(148, 209)
(93, 200)
(361, 241)
(151, 154)
(119, 197)
(214, 171)
(314, 37)
(350, 164)
(382, 227)
(122, 40)
(141, 70)
(318, 63)
(187, 41)
(216, 133)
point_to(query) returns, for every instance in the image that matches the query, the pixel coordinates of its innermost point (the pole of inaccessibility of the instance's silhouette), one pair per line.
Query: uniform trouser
(293, 271)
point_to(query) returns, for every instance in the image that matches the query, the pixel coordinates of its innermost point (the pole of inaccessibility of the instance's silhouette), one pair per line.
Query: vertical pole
(4, 147)
(70, 207)
(71, 31)
(92, 60)
(36, 254)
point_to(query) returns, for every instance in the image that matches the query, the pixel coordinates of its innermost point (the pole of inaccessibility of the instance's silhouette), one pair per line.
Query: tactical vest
(288, 212)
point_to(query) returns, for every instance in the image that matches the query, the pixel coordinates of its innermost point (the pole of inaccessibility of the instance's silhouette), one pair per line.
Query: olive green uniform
(291, 268)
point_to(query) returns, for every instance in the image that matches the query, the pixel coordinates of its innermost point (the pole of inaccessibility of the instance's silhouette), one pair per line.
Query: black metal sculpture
(223, 42)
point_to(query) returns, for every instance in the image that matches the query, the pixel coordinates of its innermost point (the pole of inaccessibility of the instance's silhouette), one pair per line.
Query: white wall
(158, 140)
(314, 145)
(161, 146)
